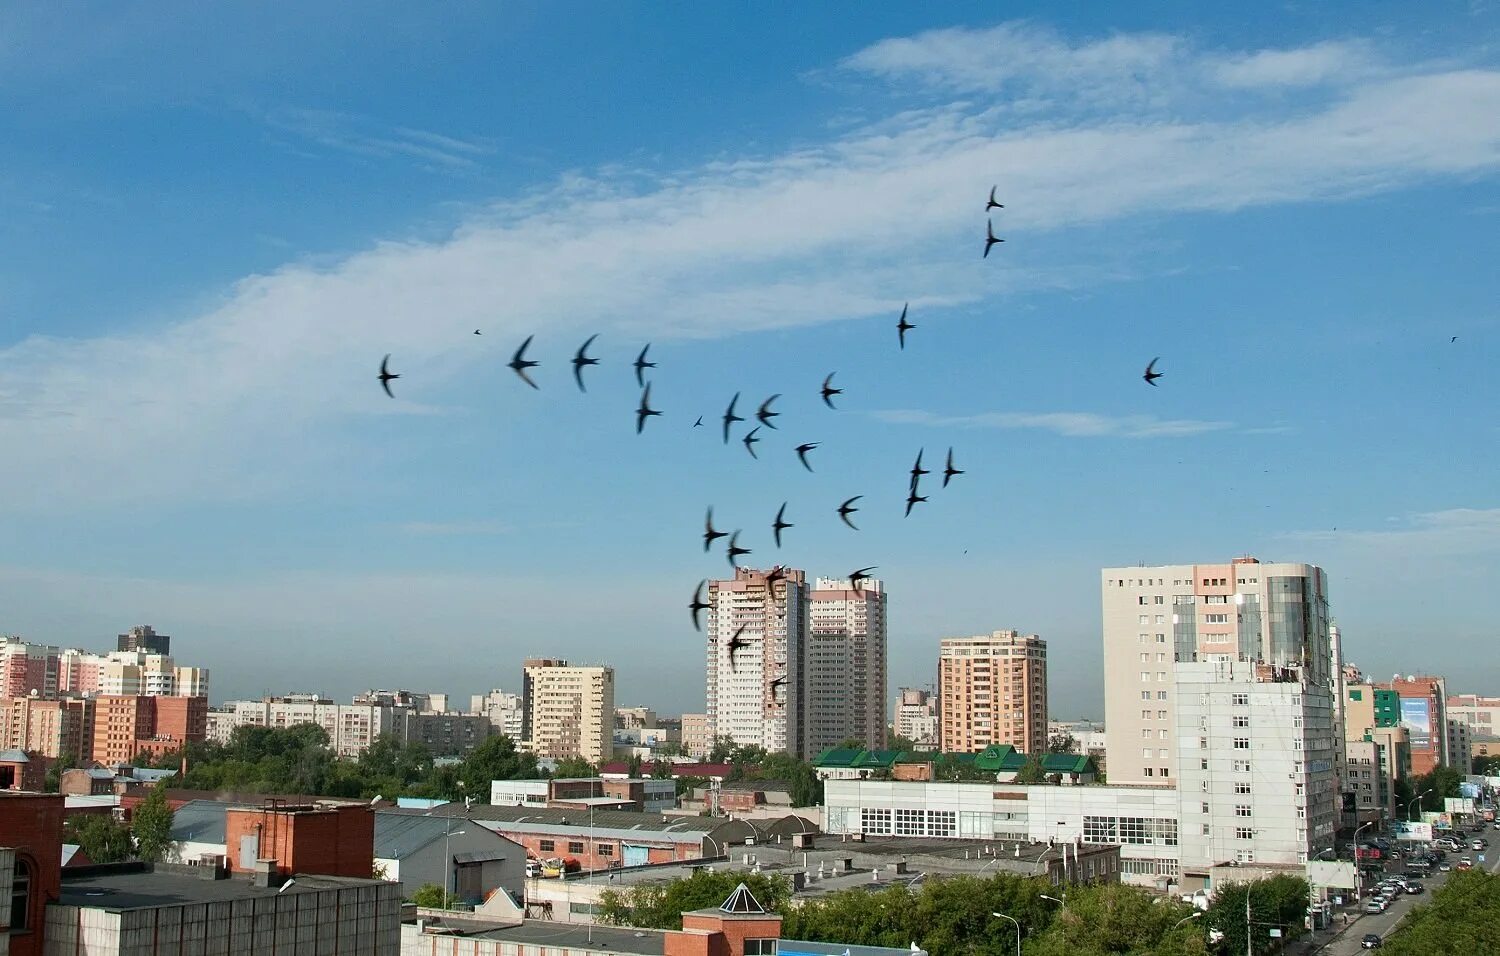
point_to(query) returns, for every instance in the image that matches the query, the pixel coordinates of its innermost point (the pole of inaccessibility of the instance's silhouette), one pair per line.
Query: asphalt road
(1347, 944)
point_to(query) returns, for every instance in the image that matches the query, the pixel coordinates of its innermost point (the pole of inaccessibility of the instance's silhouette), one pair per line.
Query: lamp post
(1018, 930)
(1186, 919)
(448, 863)
(1410, 804)
(1359, 888)
(1060, 902)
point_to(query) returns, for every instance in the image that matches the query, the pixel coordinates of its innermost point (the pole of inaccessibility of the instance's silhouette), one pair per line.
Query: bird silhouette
(917, 471)
(911, 499)
(948, 470)
(698, 605)
(990, 239)
(750, 441)
(580, 360)
(519, 363)
(902, 326)
(641, 365)
(764, 413)
(730, 417)
(857, 578)
(829, 391)
(1452, 340)
(645, 411)
(802, 451)
(476, 331)
(709, 534)
(735, 643)
(777, 573)
(779, 525)
(846, 509)
(992, 204)
(386, 375)
(778, 682)
(699, 422)
(735, 550)
(1151, 374)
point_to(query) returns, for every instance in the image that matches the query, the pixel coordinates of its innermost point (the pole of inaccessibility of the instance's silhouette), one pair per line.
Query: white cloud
(361, 136)
(1069, 424)
(1331, 61)
(1454, 532)
(246, 397)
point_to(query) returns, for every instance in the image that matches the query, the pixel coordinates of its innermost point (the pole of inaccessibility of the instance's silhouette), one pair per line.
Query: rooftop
(569, 820)
(118, 888)
(200, 821)
(549, 934)
(398, 835)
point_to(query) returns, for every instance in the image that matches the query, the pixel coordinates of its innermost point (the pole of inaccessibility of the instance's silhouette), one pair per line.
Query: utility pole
(1249, 933)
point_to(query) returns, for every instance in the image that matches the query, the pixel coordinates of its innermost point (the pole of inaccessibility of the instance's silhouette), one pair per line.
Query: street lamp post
(1018, 930)
(1186, 919)
(1410, 804)
(1060, 902)
(1359, 888)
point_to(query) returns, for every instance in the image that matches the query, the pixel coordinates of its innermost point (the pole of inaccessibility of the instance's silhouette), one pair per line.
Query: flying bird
(911, 499)
(902, 326)
(1452, 340)
(802, 451)
(992, 204)
(519, 363)
(778, 682)
(709, 534)
(699, 422)
(386, 375)
(645, 411)
(777, 573)
(779, 525)
(857, 578)
(735, 550)
(1151, 374)
(580, 360)
(750, 441)
(829, 391)
(734, 643)
(948, 470)
(846, 509)
(476, 331)
(698, 605)
(990, 239)
(641, 365)
(730, 417)
(917, 471)
(764, 413)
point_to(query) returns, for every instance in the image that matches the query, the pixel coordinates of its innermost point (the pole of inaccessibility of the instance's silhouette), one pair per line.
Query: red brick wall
(735, 931)
(657, 851)
(695, 944)
(32, 824)
(182, 718)
(118, 723)
(331, 842)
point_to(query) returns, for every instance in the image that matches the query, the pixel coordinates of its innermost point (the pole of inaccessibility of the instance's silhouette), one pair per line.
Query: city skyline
(205, 261)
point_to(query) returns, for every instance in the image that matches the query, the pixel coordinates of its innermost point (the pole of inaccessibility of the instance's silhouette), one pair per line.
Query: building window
(1242, 743)
(1241, 810)
(1161, 715)
(1242, 766)
(760, 947)
(20, 897)
(606, 850)
(1146, 733)
(1244, 833)
(1145, 675)
(1145, 695)
(1146, 752)
(1148, 771)
(546, 845)
(1242, 721)
(1161, 695)
(1240, 700)
(1203, 763)
(1242, 788)
(1164, 772)
(575, 846)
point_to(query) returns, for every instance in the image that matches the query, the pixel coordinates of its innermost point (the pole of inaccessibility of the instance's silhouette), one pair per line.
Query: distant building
(1460, 747)
(844, 670)
(503, 710)
(57, 729)
(756, 631)
(126, 725)
(569, 710)
(351, 728)
(634, 718)
(916, 718)
(697, 740)
(471, 861)
(28, 669)
(993, 690)
(1424, 714)
(1377, 753)
(445, 733)
(1481, 714)
(145, 639)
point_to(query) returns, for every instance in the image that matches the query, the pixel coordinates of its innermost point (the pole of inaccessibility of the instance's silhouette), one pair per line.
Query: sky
(214, 224)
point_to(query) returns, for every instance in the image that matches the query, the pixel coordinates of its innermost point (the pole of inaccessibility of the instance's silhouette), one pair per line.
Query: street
(1347, 944)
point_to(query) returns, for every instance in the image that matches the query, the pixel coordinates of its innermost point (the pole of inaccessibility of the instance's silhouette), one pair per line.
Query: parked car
(1370, 941)
(1376, 905)
(1414, 888)
(1445, 867)
(1466, 864)
(1476, 845)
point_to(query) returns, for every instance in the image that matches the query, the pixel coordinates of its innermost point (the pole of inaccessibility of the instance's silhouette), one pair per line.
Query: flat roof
(648, 942)
(117, 891)
(570, 820)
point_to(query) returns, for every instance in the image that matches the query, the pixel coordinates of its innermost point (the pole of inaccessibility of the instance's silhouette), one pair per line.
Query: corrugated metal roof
(200, 821)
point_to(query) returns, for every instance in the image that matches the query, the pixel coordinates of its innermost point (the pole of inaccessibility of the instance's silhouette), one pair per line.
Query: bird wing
(526, 378)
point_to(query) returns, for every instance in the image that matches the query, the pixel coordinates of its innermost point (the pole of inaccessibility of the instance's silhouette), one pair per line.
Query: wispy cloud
(1068, 424)
(1454, 532)
(241, 397)
(443, 528)
(365, 137)
(1331, 61)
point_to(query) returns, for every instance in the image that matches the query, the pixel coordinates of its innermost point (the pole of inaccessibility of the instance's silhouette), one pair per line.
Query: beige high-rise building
(755, 634)
(696, 740)
(569, 710)
(917, 717)
(845, 665)
(993, 690)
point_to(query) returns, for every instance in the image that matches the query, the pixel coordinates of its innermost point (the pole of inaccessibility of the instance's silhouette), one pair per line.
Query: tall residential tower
(992, 689)
(755, 637)
(845, 672)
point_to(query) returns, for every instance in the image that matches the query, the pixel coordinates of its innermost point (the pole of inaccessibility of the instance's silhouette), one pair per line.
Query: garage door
(636, 855)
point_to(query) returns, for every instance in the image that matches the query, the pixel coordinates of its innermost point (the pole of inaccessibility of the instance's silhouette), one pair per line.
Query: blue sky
(214, 224)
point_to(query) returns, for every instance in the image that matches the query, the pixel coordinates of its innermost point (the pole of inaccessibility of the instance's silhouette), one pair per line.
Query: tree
(1278, 902)
(1462, 917)
(661, 905)
(495, 759)
(1487, 766)
(1114, 918)
(1031, 771)
(1061, 743)
(898, 742)
(431, 896)
(102, 838)
(151, 825)
(633, 766)
(574, 767)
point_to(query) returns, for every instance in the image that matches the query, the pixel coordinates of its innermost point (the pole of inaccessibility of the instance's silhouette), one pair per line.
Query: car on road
(1476, 845)
(1445, 866)
(1414, 888)
(1370, 941)
(1466, 864)
(1376, 905)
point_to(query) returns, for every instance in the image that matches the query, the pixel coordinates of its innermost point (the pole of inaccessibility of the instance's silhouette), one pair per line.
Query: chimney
(265, 871)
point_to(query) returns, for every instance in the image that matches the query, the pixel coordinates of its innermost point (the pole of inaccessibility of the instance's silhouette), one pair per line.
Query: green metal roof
(1069, 763)
(858, 758)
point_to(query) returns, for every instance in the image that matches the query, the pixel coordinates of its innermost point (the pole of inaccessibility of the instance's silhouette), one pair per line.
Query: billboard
(1412, 831)
(1458, 804)
(1416, 717)
(1469, 789)
(1339, 875)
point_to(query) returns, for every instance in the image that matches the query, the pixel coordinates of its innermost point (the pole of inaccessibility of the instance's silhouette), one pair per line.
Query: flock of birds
(764, 414)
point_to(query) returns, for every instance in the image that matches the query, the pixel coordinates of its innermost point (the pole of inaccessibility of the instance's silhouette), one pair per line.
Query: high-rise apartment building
(993, 690)
(1460, 746)
(1424, 714)
(27, 669)
(145, 639)
(844, 671)
(756, 630)
(1377, 752)
(126, 673)
(1482, 714)
(916, 717)
(59, 729)
(696, 739)
(570, 711)
(351, 728)
(503, 710)
(128, 725)
(1220, 678)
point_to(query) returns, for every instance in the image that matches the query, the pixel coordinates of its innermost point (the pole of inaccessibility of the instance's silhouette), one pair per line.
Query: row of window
(1137, 831)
